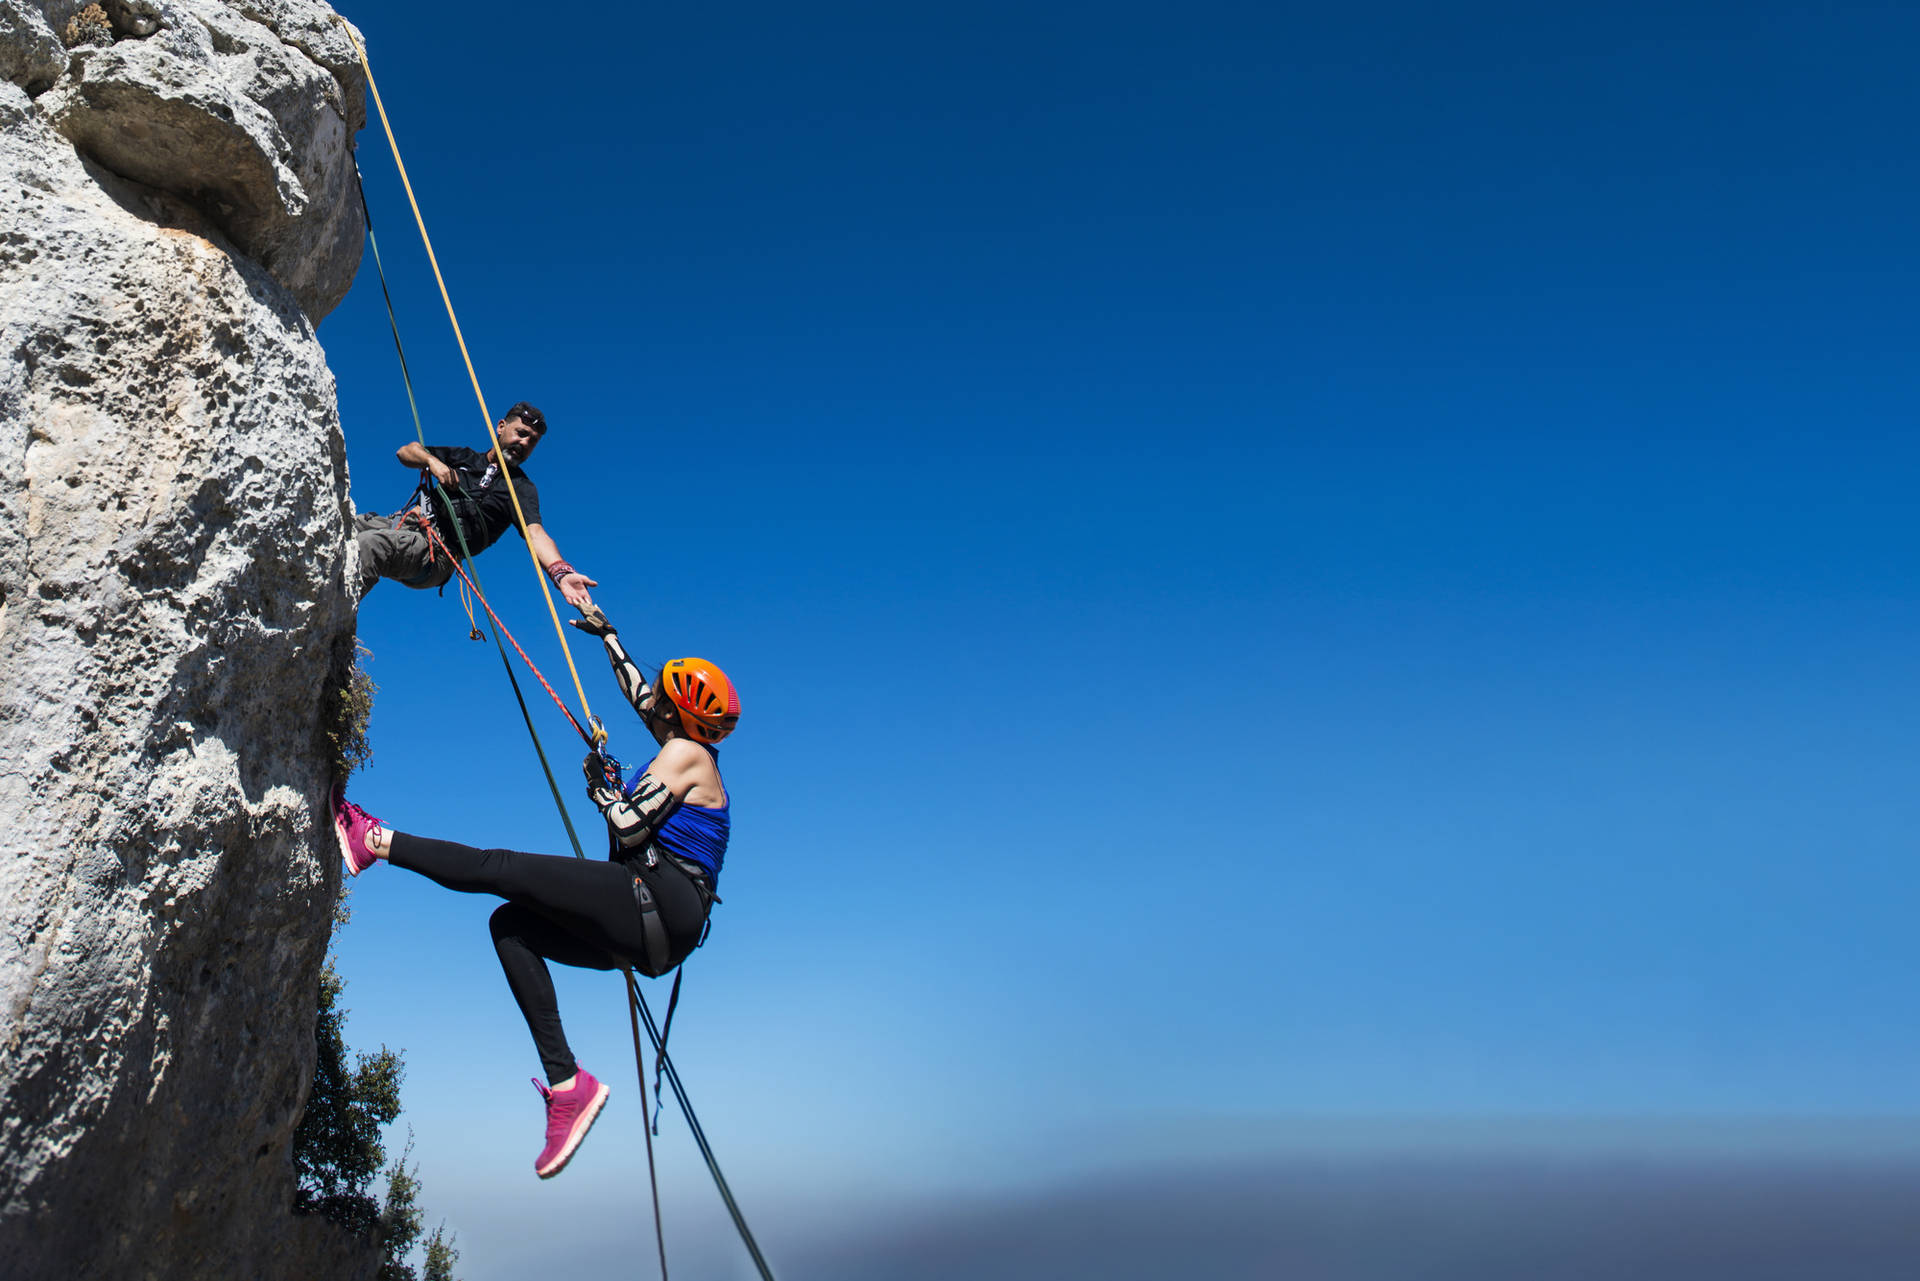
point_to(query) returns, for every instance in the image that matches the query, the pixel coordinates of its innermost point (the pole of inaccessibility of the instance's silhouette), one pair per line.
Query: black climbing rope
(638, 1010)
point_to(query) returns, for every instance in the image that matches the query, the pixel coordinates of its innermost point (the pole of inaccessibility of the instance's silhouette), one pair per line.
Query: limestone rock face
(173, 595)
(245, 110)
(31, 55)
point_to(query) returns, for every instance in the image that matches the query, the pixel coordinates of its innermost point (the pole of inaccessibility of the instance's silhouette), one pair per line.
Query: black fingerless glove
(593, 622)
(603, 773)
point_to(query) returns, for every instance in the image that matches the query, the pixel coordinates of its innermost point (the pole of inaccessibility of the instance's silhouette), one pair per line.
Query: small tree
(441, 1256)
(400, 1220)
(338, 1150)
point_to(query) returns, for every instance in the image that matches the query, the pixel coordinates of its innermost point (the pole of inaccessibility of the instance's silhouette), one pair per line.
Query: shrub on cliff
(347, 711)
(338, 1151)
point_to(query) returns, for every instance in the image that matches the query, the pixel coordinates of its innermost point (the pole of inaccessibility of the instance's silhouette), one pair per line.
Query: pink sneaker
(355, 830)
(570, 1114)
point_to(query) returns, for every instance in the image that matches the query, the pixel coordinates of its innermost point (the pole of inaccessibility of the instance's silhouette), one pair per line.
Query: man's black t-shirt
(480, 483)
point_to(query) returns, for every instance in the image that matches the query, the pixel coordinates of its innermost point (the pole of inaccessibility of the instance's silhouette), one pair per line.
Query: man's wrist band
(559, 570)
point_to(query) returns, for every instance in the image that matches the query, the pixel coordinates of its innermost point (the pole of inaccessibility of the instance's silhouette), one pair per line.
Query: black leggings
(576, 911)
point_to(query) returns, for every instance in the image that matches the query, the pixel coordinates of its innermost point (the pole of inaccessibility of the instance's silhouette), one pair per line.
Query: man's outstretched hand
(574, 588)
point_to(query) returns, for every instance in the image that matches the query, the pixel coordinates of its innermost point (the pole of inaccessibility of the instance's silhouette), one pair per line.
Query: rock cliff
(178, 209)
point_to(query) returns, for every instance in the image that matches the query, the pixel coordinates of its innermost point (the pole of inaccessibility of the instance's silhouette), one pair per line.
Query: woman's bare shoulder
(681, 752)
(688, 771)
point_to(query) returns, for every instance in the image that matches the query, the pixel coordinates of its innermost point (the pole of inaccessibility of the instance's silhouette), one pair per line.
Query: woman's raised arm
(633, 683)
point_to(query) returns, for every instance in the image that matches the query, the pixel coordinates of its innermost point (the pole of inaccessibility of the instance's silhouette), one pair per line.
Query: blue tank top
(697, 833)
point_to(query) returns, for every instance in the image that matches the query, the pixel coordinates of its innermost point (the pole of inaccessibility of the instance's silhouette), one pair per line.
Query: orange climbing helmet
(708, 705)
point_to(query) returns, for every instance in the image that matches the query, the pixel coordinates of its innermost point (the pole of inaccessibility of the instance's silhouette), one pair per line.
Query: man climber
(400, 548)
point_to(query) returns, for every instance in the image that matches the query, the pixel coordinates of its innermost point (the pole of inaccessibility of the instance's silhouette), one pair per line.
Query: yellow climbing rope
(636, 1003)
(546, 589)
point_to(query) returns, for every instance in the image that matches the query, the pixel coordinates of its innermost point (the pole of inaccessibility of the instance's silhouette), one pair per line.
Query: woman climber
(645, 907)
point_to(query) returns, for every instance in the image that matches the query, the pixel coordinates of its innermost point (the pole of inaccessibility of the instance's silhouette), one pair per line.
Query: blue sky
(1291, 573)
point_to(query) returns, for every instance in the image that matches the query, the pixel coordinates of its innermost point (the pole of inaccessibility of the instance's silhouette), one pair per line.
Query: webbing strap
(666, 1033)
(653, 934)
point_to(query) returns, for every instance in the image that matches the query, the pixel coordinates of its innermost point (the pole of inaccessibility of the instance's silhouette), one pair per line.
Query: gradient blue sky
(1287, 568)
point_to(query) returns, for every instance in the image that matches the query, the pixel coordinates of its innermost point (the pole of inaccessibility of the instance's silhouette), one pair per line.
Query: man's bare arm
(572, 583)
(414, 454)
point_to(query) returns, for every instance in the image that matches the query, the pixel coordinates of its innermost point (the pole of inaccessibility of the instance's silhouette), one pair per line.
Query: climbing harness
(652, 932)
(428, 577)
(462, 508)
(595, 733)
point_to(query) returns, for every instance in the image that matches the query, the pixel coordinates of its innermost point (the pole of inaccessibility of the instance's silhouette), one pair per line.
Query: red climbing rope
(433, 536)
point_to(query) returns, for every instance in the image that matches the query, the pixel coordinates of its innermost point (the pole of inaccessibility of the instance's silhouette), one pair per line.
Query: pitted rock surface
(31, 53)
(247, 111)
(173, 593)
